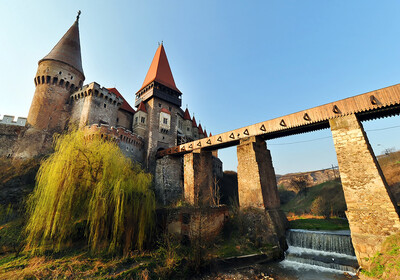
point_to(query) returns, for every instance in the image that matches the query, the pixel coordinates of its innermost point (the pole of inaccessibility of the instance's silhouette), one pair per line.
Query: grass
(319, 224)
(332, 191)
(386, 263)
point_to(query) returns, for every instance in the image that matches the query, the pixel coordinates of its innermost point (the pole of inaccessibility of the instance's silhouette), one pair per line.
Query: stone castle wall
(156, 139)
(94, 105)
(9, 135)
(50, 105)
(131, 144)
(9, 120)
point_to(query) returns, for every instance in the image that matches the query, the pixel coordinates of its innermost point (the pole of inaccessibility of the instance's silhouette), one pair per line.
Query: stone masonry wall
(198, 177)
(168, 180)
(256, 176)
(8, 138)
(156, 139)
(371, 212)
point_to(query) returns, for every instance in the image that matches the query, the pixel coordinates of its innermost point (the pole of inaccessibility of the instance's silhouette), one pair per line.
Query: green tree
(87, 180)
(321, 206)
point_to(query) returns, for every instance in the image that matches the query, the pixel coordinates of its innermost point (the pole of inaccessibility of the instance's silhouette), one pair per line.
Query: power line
(321, 138)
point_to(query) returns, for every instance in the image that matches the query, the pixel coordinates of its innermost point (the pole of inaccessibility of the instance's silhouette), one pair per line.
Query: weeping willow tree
(90, 181)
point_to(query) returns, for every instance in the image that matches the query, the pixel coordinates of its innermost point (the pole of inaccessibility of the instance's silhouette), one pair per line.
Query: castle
(61, 100)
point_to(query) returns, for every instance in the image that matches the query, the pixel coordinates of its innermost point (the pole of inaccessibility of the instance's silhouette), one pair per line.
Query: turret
(140, 120)
(59, 73)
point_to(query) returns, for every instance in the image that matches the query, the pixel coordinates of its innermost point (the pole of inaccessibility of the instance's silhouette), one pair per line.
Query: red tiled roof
(200, 129)
(160, 71)
(186, 115)
(194, 124)
(165, 111)
(142, 107)
(125, 105)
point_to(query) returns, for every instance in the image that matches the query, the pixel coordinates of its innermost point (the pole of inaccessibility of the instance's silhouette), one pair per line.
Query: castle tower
(162, 101)
(59, 73)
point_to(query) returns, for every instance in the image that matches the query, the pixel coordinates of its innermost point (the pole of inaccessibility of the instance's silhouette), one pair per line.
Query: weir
(331, 250)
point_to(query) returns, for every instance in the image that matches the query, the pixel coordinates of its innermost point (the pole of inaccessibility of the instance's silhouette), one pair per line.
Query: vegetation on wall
(88, 183)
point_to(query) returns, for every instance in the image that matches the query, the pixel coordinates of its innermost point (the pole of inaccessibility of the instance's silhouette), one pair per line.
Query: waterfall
(323, 250)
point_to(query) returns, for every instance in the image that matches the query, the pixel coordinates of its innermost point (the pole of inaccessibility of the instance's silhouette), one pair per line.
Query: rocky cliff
(298, 181)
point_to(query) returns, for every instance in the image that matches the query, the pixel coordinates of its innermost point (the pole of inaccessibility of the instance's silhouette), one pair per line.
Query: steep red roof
(160, 71)
(194, 124)
(186, 115)
(142, 107)
(200, 129)
(125, 105)
(165, 111)
(210, 134)
(205, 133)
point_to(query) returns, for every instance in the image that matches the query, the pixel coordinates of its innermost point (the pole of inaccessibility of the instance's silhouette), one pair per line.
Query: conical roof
(68, 49)
(160, 71)
(194, 124)
(142, 107)
(200, 129)
(186, 115)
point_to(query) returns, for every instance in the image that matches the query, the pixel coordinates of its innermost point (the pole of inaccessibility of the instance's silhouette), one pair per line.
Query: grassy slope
(331, 190)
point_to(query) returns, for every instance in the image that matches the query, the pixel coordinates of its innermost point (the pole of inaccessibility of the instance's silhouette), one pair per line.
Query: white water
(328, 251)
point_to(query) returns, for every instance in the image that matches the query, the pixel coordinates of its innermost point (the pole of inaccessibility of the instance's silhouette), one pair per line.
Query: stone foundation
(168, 179)
(371, 211)
(198, 178)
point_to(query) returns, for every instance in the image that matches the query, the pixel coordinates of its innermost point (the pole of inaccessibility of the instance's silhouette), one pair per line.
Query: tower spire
(68, 49)
(160, 70)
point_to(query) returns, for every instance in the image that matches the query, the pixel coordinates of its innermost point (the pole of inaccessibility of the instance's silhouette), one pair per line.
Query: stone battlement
(118, 133)
(94, 89)
(9, 120)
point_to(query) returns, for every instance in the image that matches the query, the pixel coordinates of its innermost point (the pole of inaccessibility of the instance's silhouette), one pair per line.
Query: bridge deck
(375, 104)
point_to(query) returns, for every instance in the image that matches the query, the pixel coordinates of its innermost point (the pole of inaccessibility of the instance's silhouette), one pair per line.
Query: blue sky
(236, 62)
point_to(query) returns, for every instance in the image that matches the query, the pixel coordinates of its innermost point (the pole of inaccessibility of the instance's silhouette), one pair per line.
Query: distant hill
(298, 181)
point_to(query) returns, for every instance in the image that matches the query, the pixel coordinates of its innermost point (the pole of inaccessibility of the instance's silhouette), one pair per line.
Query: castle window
(117, 120)
(72, 77)
(165, 121)
(55, 80)
(67, 85)
(47, 79)
(60, 72)
(35, 81)
(170, 109)
(143, 119)
(187, 128)
(136, 119)
(105, 105)
(42, 79)
(159, 105)
(38, 80)
(61, 82)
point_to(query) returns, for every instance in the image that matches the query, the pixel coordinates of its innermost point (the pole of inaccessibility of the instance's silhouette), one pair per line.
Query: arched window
(61, 82)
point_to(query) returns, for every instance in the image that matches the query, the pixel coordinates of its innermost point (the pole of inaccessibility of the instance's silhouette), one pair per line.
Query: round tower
(59, 73)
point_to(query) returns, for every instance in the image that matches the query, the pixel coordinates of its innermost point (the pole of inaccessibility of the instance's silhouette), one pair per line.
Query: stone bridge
(371, 210)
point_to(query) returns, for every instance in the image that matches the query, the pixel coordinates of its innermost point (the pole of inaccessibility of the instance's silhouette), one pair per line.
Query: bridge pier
(198, 177)
(371, 211)
(257, 188)
(256, 176)
(168, 179)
